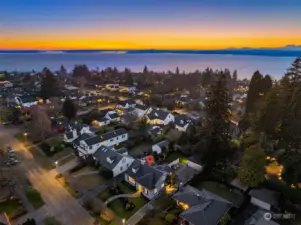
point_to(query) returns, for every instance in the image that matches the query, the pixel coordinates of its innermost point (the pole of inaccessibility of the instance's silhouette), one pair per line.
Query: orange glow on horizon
(145, 42)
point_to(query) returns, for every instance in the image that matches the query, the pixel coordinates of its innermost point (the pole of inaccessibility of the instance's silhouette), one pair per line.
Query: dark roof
(94, 140)
(128, 101)
(122, 150)
(81, 137)
(165, 168)
(155, 131)
(93, 129)
(104, 154)
(102, 119)
(77, 126)
(113, 115)
(69, 134)
(162, 144)
(204, 207)
(157, 114)
(145, 175)
(141, 107)
(196, 158)
(114, 133)
(182, 120)
(27, 98)
(98, 139)
(266, 195)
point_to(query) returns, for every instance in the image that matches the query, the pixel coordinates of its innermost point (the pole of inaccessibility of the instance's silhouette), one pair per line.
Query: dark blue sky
(193, 24)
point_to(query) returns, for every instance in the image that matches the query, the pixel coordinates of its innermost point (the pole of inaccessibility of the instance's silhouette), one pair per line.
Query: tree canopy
(49, 85)
(69, 109)
(251, 171)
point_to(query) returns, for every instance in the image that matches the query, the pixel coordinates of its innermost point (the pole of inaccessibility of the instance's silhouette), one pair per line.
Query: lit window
(155, 190)
(132, 180)
(162, 185)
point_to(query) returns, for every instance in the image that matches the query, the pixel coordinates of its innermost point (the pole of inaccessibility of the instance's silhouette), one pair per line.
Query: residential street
(58, 202)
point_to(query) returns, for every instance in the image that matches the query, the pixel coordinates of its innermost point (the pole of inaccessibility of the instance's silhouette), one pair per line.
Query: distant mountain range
(286, 51)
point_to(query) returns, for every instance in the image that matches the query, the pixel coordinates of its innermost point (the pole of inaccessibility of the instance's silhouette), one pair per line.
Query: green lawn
(68, 187)
(34, 197)
(139, 150)
(83, 170)
(41, 159)
(117, 206)
(66, 160)
(9, 206)
(50, 220)
(90, 181)
(62, 154)
(176, 155)
(222, 191)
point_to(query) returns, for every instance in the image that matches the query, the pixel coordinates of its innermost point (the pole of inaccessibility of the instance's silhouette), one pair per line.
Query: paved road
(59, 202)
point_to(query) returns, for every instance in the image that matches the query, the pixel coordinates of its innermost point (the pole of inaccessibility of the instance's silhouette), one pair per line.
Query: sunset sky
(148, 24)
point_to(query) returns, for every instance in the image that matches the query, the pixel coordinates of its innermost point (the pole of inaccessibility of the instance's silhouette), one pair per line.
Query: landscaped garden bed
(13, 208)
(123, 207)
(62, 180)
(34, 197)
(165, 212)
(43, 161)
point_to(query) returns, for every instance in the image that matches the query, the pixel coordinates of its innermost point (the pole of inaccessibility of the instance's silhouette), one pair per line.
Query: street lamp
(25, 137)
(123, 221)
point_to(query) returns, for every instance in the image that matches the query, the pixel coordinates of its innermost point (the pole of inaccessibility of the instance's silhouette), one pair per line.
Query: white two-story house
(112, 116)
(112, 160)
(74, 130)
(126, 104)
(25, 101)
(182, 123)
(145, 178)
(157, 116)
(141, 110)
(90, 145)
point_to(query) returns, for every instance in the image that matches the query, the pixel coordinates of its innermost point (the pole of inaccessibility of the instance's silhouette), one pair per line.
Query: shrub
(88, 204)
(107, 174)
(50, 220)
(170, 218)
(130, 206)
(78, 167)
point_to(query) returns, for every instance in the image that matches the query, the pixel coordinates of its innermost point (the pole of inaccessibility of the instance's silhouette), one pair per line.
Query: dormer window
(134, 170)
(109, 160)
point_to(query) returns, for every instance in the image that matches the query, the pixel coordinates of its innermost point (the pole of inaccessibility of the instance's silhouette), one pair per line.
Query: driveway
(58, 202)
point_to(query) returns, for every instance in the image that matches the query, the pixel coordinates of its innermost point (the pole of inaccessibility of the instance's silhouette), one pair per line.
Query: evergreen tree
(69, 109)
(254, 92)
(145, 70)
(251, 171)
(63, 71)
(234, 77)
(216, 129)
(177, 71)
(81, 71)
(128, 77)
(49, 85)
(292, 167)
(294, 72)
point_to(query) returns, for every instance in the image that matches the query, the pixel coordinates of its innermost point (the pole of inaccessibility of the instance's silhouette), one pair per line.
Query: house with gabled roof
(90, 145)
(182, 122)
(157, 116)
(141, 110)
(126, 104)
(147, 179)
(112, 160)
(265, 198)
(74, 130)
(112, 116)
(25, 101)
(201, 206)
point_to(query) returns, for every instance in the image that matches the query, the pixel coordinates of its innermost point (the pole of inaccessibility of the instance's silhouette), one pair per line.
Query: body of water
(244, 64)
